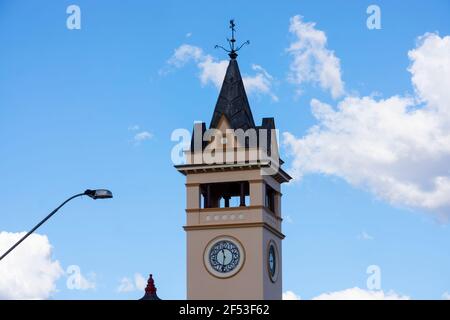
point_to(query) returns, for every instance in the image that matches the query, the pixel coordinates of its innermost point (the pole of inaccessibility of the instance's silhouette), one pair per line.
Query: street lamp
(94, 194)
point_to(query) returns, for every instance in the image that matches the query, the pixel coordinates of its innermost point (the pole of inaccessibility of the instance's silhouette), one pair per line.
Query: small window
(270, 198)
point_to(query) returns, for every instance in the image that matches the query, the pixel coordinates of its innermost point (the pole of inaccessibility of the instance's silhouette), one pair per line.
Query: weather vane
(231, 42)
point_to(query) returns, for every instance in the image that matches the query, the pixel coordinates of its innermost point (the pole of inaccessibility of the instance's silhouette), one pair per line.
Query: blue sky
(73, 101)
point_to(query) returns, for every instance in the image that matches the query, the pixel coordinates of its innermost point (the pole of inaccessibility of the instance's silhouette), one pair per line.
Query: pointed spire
(232, 101)
(150, 290)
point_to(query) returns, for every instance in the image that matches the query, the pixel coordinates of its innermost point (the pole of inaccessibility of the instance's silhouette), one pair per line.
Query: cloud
(430, 70)
(361, 294)
(260, 83)
(134, 127)
(28, 272)
(290, 295)
(212, 71)
(398, 148)
(127, 284)
(446, 296)
(351, 294)
(365, 236)
(312, 61)
(142, 136)
(185, 53)
(140, 282)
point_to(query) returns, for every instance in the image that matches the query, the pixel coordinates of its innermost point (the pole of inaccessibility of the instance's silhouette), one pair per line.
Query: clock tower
(233, 208)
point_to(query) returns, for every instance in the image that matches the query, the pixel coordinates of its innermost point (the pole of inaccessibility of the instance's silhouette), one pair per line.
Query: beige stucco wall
(272, 290)
(248, 283)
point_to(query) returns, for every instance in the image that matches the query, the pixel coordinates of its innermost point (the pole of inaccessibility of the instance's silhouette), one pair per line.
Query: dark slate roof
(233, 104)
(232, 101)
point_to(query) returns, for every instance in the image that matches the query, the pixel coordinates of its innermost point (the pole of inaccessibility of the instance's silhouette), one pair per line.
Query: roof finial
(231, 42)
(150, 290)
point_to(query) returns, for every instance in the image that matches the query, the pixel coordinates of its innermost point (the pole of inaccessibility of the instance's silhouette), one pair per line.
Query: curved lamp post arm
(39, 224)
(94, 194)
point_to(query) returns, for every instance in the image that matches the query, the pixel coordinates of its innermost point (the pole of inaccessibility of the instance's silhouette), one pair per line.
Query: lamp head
(99, 194)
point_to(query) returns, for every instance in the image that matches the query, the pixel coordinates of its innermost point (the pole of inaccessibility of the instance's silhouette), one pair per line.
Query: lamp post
(94, 194)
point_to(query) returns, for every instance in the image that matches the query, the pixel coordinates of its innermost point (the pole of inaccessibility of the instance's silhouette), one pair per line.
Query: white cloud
(351, 294)
(127, 284)
(261, 82)
(28, 272)
(365, 236)
(189, 34)
(446, 296)
(185, 53)
(213, 70)
(140, 282)
(290, 295)
(142, 136)
(139, 136)
(397, 148)
(361, 294)
(134, 127)
(312, 61)
(430, 72)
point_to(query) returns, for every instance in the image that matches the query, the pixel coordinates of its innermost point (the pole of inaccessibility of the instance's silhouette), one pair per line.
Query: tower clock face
(272, 261)
(224, 257)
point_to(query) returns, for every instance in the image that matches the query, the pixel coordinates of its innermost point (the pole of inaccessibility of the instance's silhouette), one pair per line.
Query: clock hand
(223, 259)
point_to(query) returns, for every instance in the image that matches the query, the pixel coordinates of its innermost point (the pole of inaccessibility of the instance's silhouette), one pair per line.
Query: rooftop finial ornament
(150, 290)
(231, 42)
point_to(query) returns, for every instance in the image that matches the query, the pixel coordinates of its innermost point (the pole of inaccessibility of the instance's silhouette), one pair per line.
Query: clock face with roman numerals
(224, 256)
